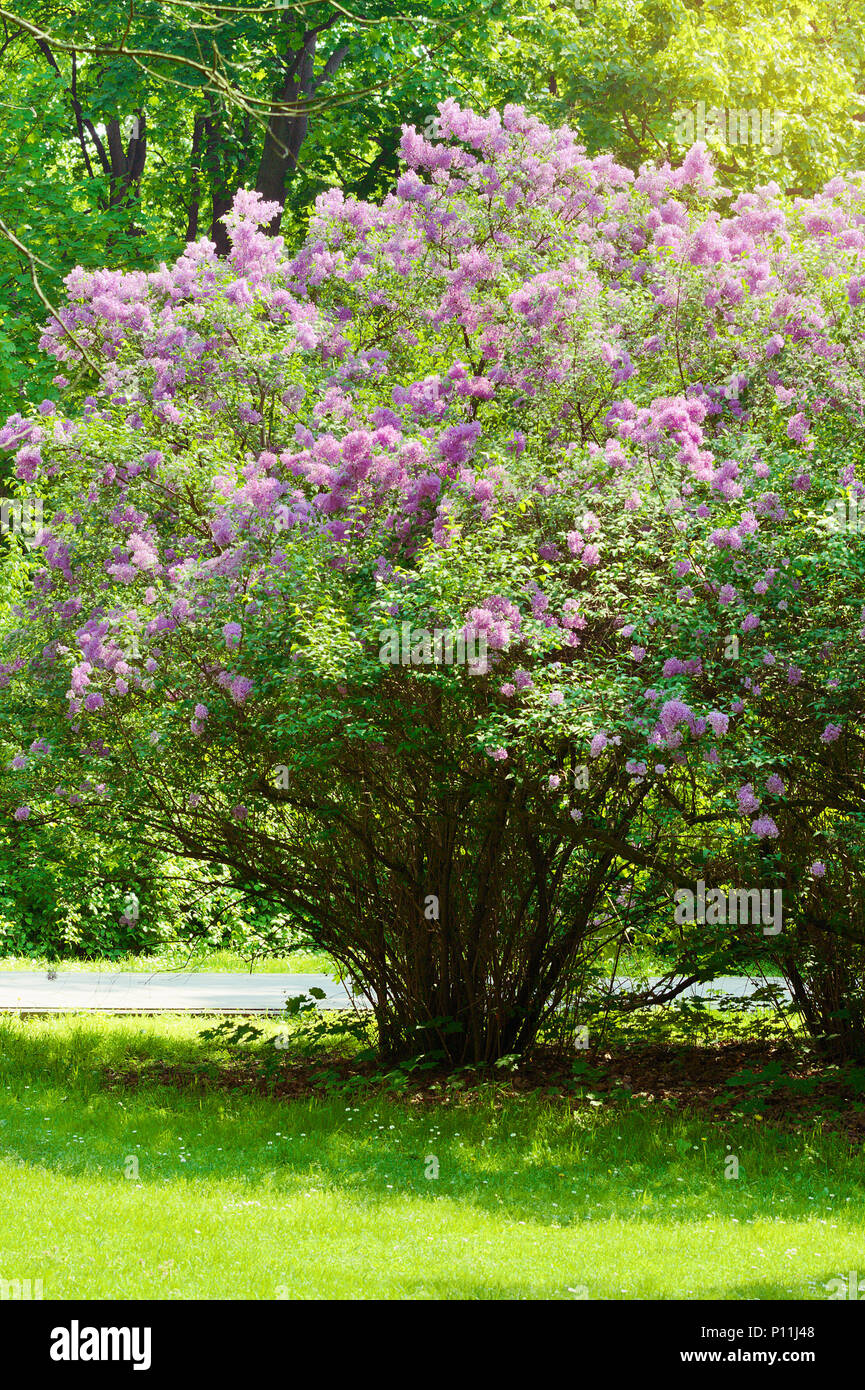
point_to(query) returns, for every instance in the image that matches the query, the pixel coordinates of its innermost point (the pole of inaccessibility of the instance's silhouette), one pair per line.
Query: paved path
(737, 985)
(32, 991)
(186, 991)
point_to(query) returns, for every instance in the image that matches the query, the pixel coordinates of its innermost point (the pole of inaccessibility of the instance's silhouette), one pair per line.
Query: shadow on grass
(548, 1161)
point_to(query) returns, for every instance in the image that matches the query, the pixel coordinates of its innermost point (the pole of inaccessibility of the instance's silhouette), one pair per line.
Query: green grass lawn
(176, 958)
(243, 1196)
(637, 961)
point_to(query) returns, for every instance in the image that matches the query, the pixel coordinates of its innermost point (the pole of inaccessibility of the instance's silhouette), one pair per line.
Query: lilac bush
(607, 424)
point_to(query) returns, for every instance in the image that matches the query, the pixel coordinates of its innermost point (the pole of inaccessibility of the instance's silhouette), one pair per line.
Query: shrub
(588, 421)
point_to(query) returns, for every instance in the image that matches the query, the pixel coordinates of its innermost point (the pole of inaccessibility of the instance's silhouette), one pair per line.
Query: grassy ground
(637, 961)
(243, 1196)
(298, 962)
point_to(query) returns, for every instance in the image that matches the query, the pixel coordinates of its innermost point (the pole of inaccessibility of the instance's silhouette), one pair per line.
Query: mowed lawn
(242, 1196)
(176, 959)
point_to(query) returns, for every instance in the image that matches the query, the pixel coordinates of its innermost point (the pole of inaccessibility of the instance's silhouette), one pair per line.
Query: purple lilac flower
(764, 828)
(797, 427)
(240, 688)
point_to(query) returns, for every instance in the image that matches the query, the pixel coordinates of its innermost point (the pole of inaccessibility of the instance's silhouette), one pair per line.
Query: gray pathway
(32, 991)
(176, 991)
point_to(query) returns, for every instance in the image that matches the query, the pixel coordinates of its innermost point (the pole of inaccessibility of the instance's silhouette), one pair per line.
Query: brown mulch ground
(768, 1082)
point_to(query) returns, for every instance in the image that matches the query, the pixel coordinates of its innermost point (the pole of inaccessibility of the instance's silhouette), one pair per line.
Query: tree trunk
(127, 165)
(286, 131)
(194, 180)
(219, 190)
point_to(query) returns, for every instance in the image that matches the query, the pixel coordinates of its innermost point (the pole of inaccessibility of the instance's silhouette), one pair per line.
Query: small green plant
(231, 1035)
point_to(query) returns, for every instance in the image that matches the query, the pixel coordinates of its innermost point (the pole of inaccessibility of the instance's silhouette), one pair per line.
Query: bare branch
(32, 262)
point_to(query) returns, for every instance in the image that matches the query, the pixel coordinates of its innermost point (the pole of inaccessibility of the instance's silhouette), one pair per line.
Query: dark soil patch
(769, 1082)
